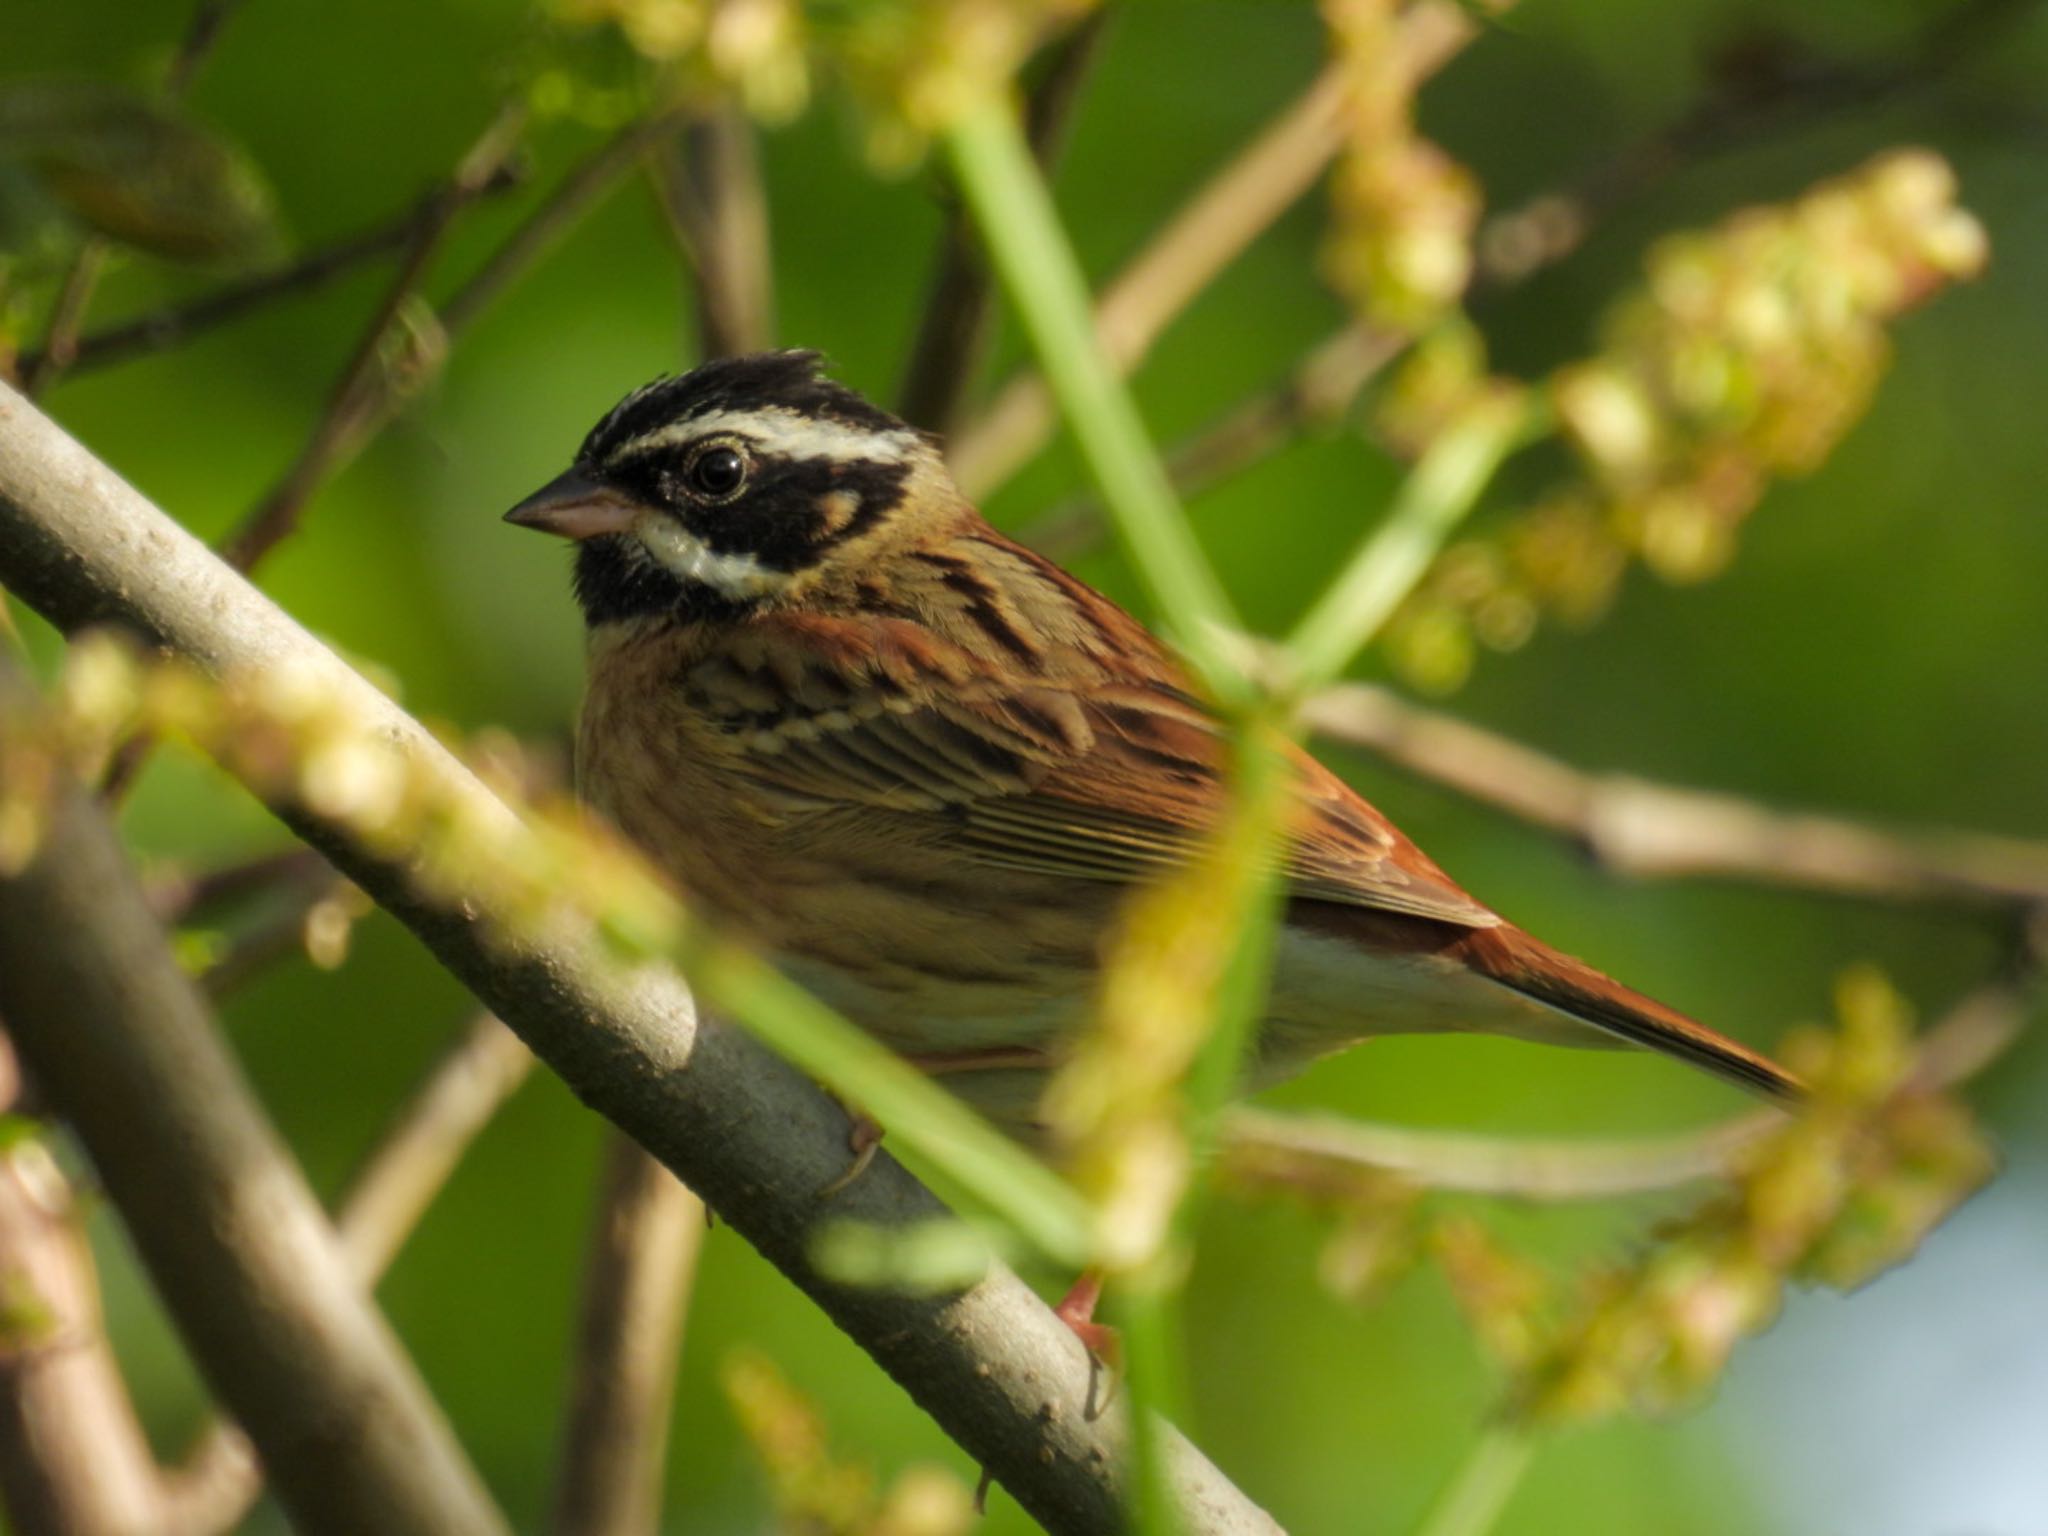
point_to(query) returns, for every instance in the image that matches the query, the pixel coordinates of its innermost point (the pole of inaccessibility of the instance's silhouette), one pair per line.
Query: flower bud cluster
(1747, 356)
(1848, 1188)
(815, 1491)
(912, 66)
(1402, 212)
(298, 742)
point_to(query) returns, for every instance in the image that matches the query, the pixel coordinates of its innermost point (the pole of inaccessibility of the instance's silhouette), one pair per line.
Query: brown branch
(39, 369)
(575, 195)
(1211, 229)
(711, 193)
(1318, 392)
(643, 1253)
(959, 310)
(1291, 1149)
(356, 411)
(178, 895)
(73, 1458)
(356, 405)
(1635, 828)
(60, 345)
(1765, 85)
(219, 1479)
(990, 1363)
(180, 323)
(123, 1046)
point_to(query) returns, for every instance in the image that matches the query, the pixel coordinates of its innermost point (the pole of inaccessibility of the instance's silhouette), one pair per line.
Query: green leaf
(139, 170)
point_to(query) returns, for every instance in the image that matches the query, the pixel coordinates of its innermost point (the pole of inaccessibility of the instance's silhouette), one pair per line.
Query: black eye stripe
(780, 517)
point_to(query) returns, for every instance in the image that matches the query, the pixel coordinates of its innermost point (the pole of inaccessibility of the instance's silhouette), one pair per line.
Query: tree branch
(1319, 391)
(1281, 1149)
(636, 1291)
(960, 305)
(73, 1459)
(1653, 831)
(60, 345)
(356, 405)
(992, 1364)
(173, 326)
(710, 186)
(214, 1487)
(121, 1042)
(1211, 229)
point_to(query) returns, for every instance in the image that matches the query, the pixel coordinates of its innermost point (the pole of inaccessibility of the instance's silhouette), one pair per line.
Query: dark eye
(717, 472)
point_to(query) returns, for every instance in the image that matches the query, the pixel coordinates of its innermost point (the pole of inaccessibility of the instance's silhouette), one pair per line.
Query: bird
(922, 767)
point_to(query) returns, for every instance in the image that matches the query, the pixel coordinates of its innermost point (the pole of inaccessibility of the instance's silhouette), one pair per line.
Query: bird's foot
(863, 1140)
(865, 1136)
(1104, 1345)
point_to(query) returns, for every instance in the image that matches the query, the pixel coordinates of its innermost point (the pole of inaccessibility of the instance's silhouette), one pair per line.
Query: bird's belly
(1329, 994)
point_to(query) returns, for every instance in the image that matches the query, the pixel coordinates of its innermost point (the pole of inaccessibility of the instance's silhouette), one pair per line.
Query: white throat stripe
(688, 557)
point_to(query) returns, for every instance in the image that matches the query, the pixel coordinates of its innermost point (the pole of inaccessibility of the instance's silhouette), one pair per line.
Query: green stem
(1438, 493)
(1148, 1327)
(919, 1114)
(1018, 223)
(1259, 799)
(1472, 1503)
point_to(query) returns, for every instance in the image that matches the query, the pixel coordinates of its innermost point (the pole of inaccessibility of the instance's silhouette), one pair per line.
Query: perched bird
(922, 765)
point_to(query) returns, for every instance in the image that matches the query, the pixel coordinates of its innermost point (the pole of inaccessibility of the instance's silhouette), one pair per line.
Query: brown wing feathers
(1056, 736)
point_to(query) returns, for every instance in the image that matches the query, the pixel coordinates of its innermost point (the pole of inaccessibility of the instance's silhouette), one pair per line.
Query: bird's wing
(1100, 778)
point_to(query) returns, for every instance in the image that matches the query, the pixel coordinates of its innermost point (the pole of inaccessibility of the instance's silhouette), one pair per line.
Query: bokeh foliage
(1875, 647)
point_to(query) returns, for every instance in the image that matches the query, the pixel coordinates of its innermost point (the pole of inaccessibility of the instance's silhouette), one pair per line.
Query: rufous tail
(1511, 958)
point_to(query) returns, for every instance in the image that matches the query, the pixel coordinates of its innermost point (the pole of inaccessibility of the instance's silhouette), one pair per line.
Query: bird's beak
(576, 507)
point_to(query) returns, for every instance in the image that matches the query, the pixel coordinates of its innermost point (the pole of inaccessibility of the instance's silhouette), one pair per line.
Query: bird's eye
(717, 471)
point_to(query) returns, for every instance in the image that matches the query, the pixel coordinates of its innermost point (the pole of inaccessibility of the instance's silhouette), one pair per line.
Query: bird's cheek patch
(689, 559)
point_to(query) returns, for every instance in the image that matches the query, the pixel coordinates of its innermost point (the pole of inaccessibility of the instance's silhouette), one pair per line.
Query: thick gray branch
(120, 1040)
(748, 1133)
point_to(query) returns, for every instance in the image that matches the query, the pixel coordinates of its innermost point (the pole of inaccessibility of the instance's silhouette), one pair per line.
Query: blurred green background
(1880, 647)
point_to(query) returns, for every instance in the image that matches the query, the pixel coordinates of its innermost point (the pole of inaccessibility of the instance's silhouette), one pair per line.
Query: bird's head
(738, 486)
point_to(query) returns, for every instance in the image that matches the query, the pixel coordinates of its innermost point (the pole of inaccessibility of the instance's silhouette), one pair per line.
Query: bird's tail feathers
(1513, 959)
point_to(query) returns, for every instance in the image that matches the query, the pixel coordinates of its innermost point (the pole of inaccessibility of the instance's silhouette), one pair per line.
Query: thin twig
(959, 308)
(1318, 392)
(355, 405)
(572, 197)
(1643, 830)
(711, 193)
(356, 413)
(643, 1255)
(60, 344)
(1766, 87)
(73, 1458)
(279, 935)
(1472, 1503)
(178, 895)
(208, 18)
(121, 1042)
(1224, 216)
(1226, 213)
(218, 1480)
(181, 323)
(1286, 1149)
